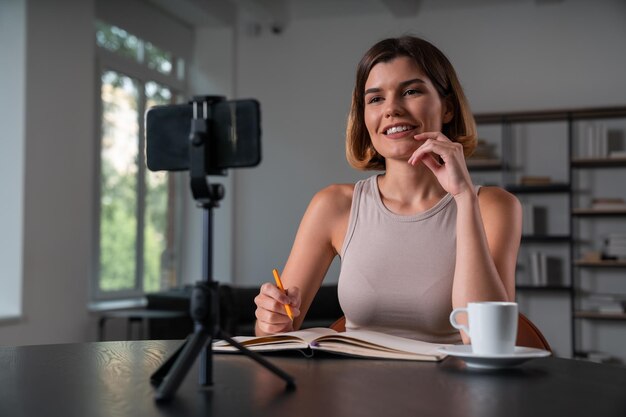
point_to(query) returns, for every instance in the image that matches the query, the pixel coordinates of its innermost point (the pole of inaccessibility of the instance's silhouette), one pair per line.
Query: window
(137, 208)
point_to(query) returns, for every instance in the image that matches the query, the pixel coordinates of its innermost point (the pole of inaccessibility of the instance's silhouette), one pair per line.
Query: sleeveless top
(396, 270)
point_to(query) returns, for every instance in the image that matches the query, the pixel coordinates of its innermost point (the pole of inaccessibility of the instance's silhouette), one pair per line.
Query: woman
(419, 239)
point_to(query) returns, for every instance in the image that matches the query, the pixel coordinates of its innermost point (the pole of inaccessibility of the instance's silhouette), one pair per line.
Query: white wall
(59, 175)
(509, 56)
(211, 74)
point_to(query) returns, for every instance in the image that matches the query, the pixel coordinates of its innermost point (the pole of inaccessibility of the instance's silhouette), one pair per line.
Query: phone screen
(234, 135)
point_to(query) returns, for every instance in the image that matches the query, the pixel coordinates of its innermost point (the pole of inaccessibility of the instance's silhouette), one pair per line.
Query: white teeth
(397, 129)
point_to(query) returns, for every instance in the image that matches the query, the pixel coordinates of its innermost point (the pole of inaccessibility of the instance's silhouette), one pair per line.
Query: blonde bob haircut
(462, 128)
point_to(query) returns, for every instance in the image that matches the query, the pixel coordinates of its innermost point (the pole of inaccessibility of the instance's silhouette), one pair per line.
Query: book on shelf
(597, 141)
(608, 203)
(534, 220)
(484, 151)
(615, 308)
(535, 180)
(359, 343)
(545, 270)
(606, 303)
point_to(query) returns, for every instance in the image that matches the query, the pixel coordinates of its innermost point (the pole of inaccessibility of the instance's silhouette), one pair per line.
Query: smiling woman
(432, 71)
(400, 102)
(418, 240)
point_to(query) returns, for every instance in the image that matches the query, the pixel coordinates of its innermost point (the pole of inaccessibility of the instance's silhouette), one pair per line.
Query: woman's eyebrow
(402, 84)
(413, 81)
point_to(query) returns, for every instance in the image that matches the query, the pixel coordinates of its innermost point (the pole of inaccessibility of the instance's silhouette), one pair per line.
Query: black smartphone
(234, 129)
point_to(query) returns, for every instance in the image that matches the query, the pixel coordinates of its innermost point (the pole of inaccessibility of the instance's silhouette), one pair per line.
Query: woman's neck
(406, 189)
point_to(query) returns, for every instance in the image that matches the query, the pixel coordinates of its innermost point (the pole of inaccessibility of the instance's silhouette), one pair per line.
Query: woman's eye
(411, 92)
(374, 99)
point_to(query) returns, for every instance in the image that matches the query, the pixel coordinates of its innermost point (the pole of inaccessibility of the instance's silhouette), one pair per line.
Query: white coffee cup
(492, 326)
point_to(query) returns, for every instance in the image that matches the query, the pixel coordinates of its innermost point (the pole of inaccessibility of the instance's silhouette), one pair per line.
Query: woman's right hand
(270, 311)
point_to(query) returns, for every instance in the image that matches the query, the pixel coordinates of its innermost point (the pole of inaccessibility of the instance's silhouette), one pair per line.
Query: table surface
(112, 379)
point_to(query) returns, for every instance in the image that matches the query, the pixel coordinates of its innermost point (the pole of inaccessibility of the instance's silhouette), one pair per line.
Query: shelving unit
(581, 165)
(511, 161)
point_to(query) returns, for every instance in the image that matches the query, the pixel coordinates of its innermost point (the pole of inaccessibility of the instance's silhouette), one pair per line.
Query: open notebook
(363, 343)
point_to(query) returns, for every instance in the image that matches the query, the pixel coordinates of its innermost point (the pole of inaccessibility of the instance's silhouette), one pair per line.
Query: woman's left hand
(452, 174)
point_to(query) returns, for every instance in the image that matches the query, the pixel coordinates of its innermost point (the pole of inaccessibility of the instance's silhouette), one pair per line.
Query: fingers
(271, 313)
(435, 143)
(430, 135)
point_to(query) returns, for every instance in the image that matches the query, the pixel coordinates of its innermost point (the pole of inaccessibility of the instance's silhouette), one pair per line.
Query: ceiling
(223, 12)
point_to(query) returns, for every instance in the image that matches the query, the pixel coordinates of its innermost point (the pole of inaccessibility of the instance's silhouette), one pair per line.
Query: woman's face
(400, 102)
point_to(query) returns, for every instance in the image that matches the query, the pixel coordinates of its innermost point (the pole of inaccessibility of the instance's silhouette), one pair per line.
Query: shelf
(545, 238)
(600, 264)
(543, 287)
(598, 162)
(595, 315)
(598, 212)
(548, 188)
(484, 164)
(548, 115)
(518, 177)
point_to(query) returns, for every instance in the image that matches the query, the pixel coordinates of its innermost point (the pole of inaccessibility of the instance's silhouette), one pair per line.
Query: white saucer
(473, 360)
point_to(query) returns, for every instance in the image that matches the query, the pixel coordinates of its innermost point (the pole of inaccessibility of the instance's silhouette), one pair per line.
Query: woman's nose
(393, 109)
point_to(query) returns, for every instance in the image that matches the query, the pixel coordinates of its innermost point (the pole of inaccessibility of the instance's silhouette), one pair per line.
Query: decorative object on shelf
(615, 247)
(591, 256)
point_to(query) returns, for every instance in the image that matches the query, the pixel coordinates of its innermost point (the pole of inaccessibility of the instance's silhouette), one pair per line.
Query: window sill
(108, 305)
(10, 318)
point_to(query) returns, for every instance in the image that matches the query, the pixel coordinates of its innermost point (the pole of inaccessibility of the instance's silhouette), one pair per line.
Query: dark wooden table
(112, 379)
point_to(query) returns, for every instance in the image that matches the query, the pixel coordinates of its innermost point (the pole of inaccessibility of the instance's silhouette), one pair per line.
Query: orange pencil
(279, 284)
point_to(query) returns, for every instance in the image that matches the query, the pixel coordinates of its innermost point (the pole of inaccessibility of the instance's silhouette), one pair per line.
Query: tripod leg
(179, 370)
(164, 369)
(291, 384)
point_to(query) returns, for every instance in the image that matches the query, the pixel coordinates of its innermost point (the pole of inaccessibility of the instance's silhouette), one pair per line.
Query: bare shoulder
(326, 218)
(335, 199)
(498, 200)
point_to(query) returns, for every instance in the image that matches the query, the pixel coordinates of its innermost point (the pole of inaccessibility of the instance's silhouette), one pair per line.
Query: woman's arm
(488, 239)
(318, 240)
(488, 226)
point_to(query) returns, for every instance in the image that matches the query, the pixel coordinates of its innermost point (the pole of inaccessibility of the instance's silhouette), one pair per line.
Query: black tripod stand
(204, 307)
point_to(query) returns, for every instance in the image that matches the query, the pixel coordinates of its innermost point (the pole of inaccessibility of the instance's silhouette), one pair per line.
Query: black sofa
(236, 310)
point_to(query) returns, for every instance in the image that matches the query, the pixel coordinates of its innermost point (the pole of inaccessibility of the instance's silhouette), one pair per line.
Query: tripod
(204, 308)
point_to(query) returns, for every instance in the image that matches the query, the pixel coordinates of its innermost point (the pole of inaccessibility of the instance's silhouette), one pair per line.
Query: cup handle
(454, 323)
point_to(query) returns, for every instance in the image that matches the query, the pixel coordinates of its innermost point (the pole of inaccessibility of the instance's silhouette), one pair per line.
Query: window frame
(107, 60)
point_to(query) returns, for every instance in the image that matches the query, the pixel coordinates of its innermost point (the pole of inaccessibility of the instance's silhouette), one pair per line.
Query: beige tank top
(397, 271)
